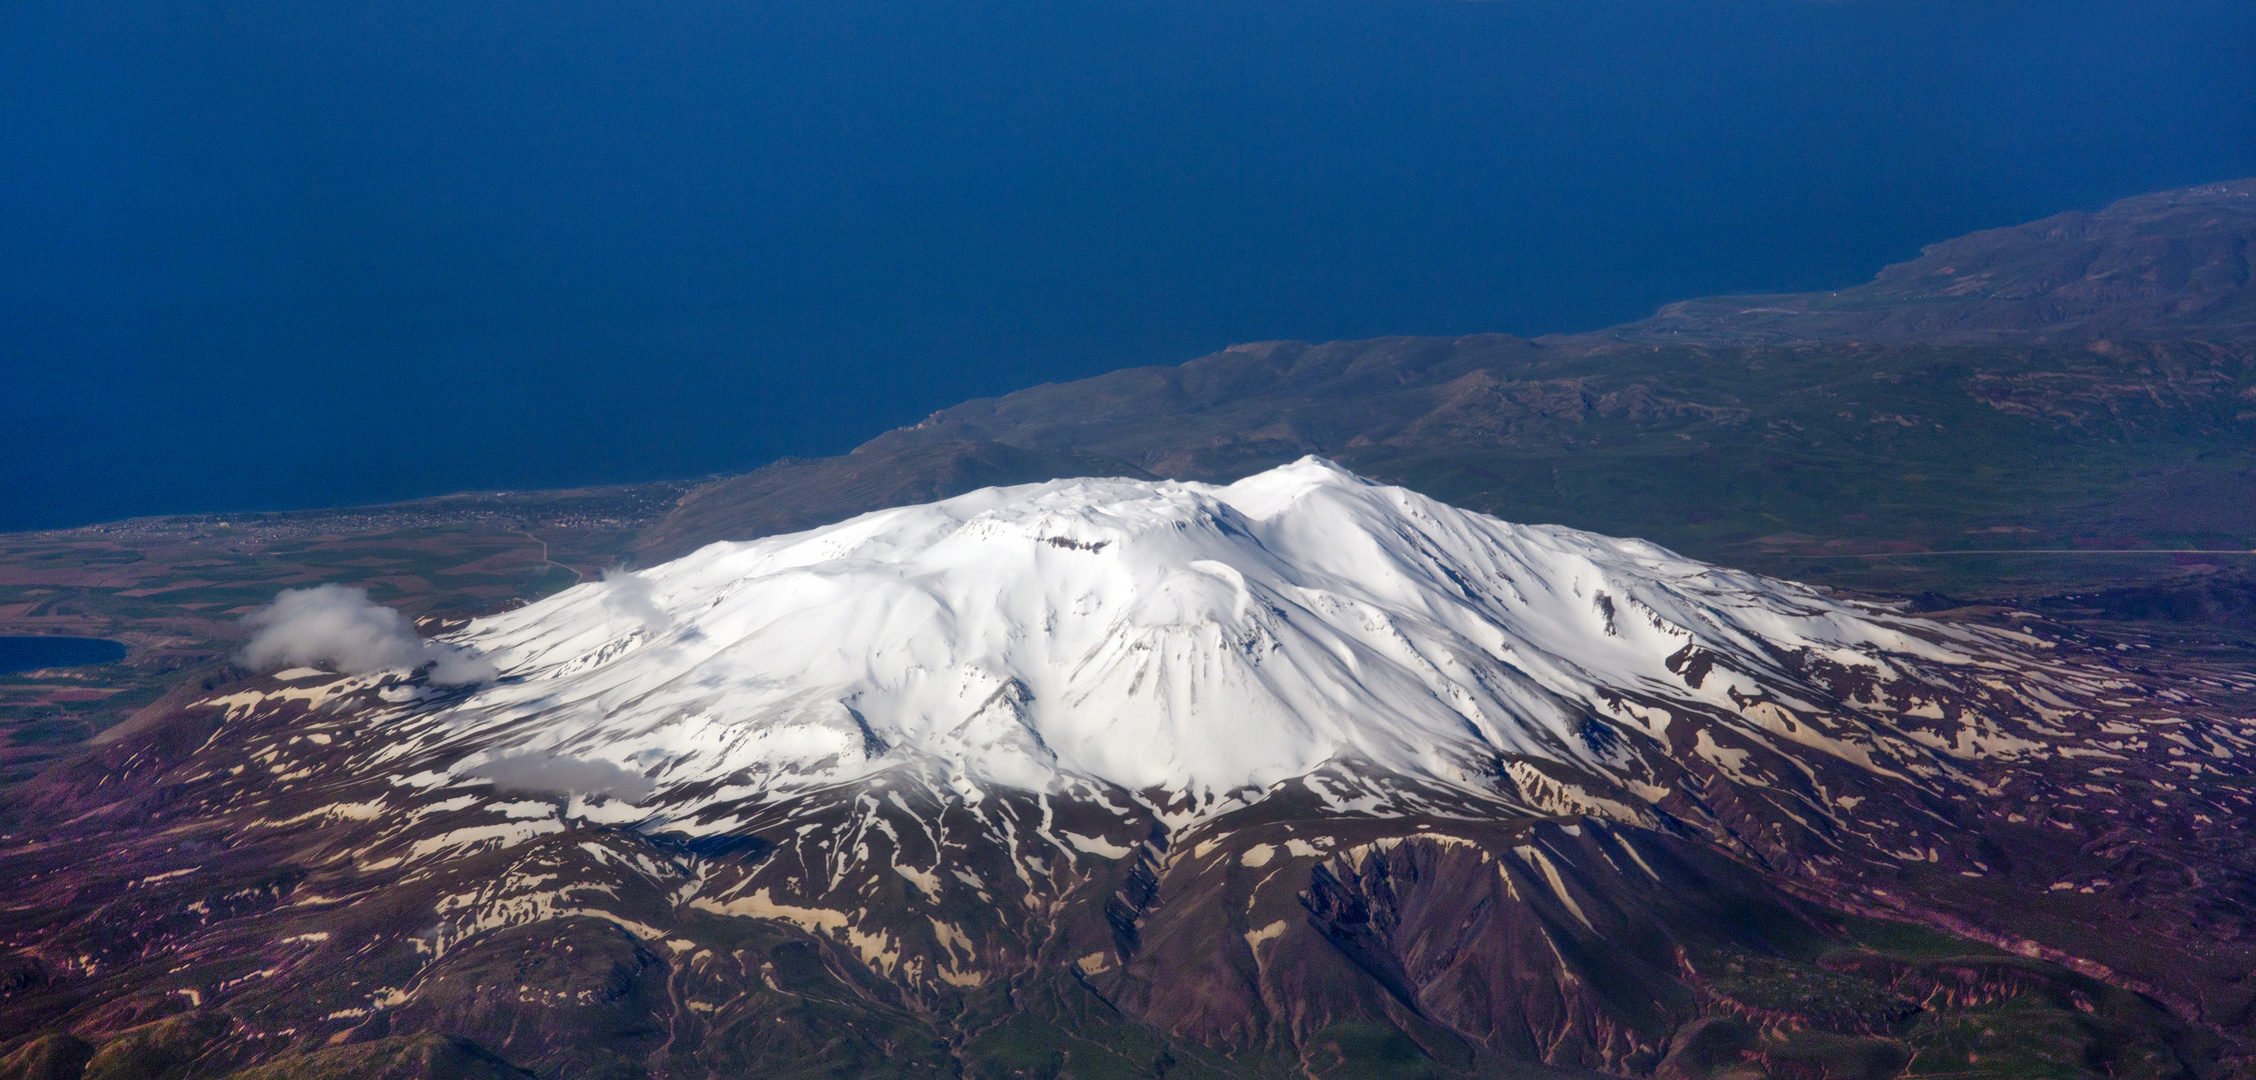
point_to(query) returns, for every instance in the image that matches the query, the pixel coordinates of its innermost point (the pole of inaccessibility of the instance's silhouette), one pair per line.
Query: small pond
(28, 653)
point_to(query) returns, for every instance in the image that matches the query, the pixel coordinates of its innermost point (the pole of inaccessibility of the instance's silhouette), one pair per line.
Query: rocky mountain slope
(2174, 264)
(1294, 776)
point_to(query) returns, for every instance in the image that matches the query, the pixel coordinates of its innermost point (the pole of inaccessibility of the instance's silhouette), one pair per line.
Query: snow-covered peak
(1189, 640)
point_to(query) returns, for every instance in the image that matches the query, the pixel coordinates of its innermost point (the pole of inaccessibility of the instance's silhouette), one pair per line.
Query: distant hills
(2083, 381)
(2168, 265)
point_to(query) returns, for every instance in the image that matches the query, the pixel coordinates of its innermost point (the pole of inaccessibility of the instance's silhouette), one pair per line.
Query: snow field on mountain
(1198, 640)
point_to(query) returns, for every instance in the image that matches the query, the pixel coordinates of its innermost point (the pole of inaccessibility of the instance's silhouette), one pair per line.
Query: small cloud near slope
(338, 625)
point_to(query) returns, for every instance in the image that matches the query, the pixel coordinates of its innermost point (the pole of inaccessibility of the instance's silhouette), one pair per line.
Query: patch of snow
(1096, 845)
(1254, 938)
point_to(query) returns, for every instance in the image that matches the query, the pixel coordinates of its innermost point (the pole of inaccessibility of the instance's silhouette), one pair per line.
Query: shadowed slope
(2174, 264)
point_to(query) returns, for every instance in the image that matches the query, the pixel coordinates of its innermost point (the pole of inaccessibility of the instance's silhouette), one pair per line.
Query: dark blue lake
(30, 653)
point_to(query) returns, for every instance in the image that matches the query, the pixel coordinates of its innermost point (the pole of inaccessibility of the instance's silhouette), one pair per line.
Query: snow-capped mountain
(1296, 776)
(1187, 641)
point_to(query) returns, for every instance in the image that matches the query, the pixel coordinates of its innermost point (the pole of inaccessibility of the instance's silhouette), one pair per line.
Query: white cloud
(631, 594)
(541, 774)
(340, 626)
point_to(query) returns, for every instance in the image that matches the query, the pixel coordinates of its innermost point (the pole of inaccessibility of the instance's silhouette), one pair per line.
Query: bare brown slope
(2174, 264)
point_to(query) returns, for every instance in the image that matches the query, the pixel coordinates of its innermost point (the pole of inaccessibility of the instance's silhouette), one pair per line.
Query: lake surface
(31, 653)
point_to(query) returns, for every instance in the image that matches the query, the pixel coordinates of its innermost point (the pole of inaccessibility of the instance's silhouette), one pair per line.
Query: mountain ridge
(2172, 264)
